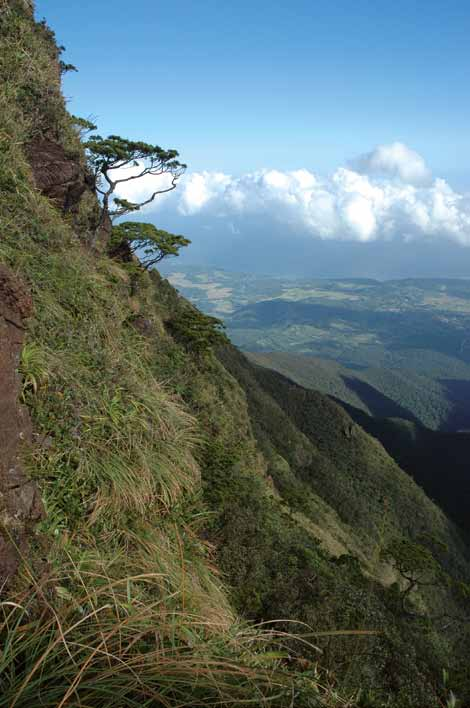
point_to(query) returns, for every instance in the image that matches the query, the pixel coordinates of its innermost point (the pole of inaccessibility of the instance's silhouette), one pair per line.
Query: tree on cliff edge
(115, 160)
(152, 245)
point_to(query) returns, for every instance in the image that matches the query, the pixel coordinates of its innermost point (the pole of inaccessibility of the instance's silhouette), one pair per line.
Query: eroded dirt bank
(20, 504)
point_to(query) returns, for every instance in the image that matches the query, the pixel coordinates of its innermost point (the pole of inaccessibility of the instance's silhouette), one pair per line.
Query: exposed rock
(121, 252)
(143, 325)
(20, 503)
(57, 175)
(65, 181)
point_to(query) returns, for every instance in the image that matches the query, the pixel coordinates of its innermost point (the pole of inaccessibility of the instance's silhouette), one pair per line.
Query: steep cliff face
(20, 504)
(165, 463)
(58, 176)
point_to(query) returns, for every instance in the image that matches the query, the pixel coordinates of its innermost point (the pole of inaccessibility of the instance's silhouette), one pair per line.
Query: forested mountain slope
(429, 388)
(437, 460)
(317, 454)
(186, 492)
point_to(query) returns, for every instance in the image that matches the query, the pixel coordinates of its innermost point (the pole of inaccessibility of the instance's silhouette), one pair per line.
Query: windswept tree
(196, 331)
(83, 126)
(149, 243)
(415, 565)
(115, 160)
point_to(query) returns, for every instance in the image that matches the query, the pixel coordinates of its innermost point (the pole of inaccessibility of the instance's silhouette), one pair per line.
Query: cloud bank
(385, 195)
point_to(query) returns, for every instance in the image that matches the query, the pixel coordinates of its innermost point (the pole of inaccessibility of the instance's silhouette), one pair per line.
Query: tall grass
(85, 637)
(119, 603)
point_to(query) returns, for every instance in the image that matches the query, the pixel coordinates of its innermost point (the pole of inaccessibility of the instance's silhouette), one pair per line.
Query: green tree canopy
(197, 332)
(415, 564)
(83, 126)
(152, 244)
(110, 157)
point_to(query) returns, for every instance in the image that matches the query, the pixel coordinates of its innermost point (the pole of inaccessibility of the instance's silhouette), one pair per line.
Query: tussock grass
(33, 368)
(84, 637)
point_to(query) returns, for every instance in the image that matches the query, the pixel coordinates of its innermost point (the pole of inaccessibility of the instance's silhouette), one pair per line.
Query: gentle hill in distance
(363, 322)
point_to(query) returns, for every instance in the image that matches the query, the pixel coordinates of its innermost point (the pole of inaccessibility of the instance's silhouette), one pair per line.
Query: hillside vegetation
(393, 348)
(128, 608)
(213, 533)
(439, 403)
(437, 460)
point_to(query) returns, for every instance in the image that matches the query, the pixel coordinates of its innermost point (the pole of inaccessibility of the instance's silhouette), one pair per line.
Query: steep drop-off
(186, 491)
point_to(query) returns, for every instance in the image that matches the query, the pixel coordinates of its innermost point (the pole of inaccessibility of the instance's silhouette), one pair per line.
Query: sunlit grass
(88, 636)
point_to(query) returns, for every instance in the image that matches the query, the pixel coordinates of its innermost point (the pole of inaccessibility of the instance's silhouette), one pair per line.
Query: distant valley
(395, 355)
(391, 349)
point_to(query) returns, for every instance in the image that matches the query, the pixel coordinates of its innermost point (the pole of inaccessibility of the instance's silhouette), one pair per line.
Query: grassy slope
(130, 607)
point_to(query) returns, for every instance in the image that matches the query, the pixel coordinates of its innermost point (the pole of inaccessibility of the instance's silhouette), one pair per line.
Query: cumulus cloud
(138, 190)
(394, 160)
(387, 194)
(200, 189)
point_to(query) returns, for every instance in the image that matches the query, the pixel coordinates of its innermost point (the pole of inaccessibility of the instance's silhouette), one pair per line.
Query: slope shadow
(458, 394)
(437, 461)
(379, 405)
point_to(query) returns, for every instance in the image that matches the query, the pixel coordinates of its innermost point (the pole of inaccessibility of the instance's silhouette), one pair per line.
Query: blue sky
(337, 131)
(236, 86)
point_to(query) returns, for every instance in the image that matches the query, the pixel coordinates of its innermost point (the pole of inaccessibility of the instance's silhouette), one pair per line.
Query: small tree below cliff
(151, 244)
(196, 331)
(415, 565)
(115, 160)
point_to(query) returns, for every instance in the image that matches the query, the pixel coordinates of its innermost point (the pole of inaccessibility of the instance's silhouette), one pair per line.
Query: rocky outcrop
(57, 175)
(20, 503)
(66, 182)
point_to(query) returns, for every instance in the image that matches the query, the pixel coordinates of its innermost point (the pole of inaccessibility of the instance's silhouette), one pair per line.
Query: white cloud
(388, 195)
(394, 160)
(201, 188)
(138, 190)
